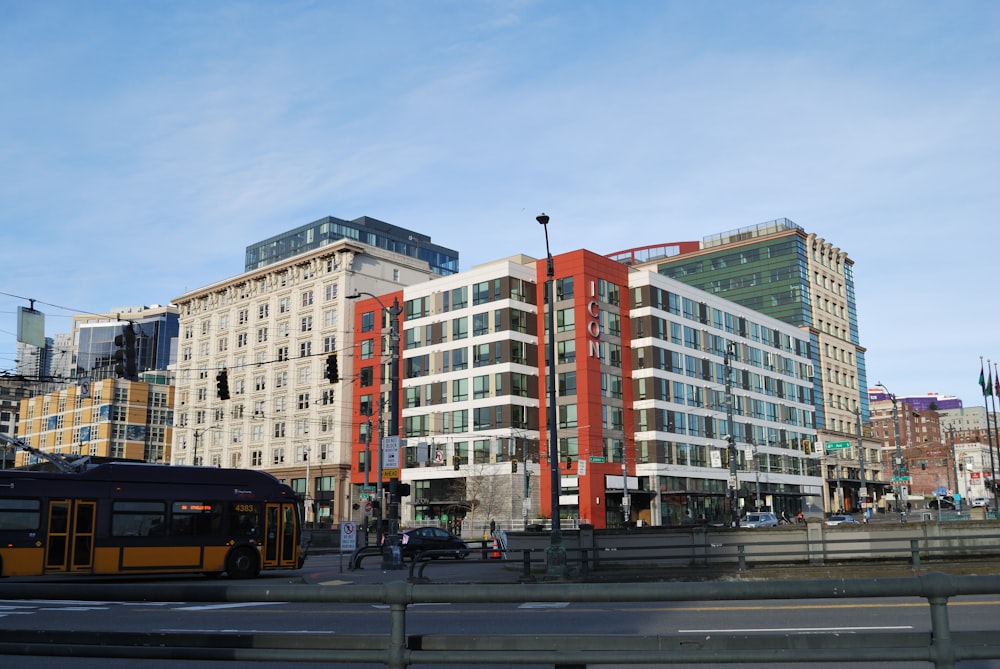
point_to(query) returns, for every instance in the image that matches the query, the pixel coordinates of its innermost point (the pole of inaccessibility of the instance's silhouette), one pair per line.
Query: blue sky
(143, 145)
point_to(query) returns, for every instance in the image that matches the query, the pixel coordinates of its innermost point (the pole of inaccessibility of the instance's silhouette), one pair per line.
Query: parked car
(841, 519)
(757, 519)
(426, 539)
(981, 501)
(941, 502)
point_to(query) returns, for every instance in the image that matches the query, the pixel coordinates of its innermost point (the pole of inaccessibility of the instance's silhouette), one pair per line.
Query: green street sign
(598, 458)
(900, 479)
(834, 445)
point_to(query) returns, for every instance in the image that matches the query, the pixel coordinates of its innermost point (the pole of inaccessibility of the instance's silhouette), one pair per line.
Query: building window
(480, 387)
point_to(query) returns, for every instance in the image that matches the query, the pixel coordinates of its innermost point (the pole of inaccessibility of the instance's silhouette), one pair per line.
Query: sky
(144, 145)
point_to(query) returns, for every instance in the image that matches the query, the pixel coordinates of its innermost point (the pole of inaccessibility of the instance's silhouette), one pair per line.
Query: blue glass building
(366, 230)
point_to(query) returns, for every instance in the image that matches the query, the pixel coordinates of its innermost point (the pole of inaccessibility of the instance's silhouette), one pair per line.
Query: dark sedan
(433, 542)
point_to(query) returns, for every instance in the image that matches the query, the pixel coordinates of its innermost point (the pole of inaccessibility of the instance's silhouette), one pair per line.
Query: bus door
(69, 543)
(280, 536)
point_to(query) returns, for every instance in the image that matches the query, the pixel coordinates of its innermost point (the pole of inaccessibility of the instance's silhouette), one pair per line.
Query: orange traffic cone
(495, 554)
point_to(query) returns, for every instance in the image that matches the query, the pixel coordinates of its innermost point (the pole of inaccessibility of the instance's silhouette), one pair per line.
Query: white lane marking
(793, 629)
(237, 605)
(200, 630)
(73, 608)
(57, 602)
(386, 606)
(543, 605)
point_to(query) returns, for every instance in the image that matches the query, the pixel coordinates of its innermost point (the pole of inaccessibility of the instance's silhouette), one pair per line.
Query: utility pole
(897, 469)
(391, 554)
(862, 491)
(957, 467)
(734, 512)
(626, 502)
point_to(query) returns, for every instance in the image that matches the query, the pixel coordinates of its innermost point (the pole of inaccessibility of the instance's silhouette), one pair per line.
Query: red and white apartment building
(641, 398)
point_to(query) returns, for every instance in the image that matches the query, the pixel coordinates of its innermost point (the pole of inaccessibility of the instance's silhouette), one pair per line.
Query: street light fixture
(555, 556)
(392, 555)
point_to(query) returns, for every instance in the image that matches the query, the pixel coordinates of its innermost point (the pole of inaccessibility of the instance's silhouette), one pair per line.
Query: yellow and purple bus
(133, 518)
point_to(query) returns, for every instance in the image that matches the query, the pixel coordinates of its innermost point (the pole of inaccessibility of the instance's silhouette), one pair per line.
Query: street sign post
(348, 539)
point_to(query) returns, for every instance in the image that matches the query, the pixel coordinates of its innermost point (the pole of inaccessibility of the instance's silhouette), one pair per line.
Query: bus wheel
(242, 563)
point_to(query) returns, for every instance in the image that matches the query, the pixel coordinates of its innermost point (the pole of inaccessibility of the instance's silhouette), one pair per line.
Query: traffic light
(222, 384)
(125, 354)
(513, 466)
(569, 462)
(403, 489)
(131, 368)
(332, 373)
(456, 462)
(119, 356)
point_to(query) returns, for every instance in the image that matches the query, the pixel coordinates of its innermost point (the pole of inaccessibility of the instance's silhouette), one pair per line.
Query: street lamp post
(556, 554)
(391, 555)
(897, 468)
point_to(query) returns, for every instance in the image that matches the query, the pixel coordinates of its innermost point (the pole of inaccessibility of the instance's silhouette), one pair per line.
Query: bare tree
(487, 491)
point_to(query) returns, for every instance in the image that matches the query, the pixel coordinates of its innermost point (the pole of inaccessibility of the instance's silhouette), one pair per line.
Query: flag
(988, 388)
(982, 380)
(996, 384)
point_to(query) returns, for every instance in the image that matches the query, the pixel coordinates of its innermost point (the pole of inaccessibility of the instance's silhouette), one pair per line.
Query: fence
(395, 649)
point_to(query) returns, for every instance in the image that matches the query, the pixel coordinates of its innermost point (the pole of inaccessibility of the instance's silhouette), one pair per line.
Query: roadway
(800, 617)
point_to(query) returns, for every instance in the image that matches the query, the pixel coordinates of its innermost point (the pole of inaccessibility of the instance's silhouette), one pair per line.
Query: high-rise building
(155, 329)
(366, 230)
(641, 408)
(779, 269)
(266, 336)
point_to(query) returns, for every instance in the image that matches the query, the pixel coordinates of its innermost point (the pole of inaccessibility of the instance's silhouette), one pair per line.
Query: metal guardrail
(395, 649)
(906, 549)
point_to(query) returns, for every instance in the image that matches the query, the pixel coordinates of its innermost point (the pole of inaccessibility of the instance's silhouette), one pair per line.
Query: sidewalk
(334, 569)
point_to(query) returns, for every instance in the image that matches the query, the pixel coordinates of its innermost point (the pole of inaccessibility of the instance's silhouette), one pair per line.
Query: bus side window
(243, 519)
(200, 519)
(20, 514)
(137, 519)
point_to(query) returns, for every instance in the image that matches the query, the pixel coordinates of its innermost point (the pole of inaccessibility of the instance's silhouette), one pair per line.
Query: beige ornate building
(273, 330)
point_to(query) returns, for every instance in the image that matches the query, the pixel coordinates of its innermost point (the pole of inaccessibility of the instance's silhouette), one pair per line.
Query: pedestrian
(493, 527)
